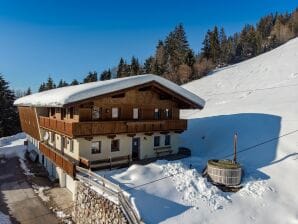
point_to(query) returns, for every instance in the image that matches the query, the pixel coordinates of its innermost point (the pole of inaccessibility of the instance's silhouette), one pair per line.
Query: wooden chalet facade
(106, 128)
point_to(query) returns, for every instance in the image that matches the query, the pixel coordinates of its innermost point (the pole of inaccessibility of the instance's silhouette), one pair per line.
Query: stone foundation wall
(91, 207)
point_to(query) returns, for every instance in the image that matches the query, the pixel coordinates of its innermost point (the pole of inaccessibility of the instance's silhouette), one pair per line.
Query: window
(156, 113)
(96, 113)
(63, 143)
(167, 140)
(96, 147)
(52, 137)
(58, 110)
(71, 112)
(115, 145)
(168, 113)
(63, 113)
(115, 112)
(156, 141)
(70, 145)
(52, 111)
(135, 113)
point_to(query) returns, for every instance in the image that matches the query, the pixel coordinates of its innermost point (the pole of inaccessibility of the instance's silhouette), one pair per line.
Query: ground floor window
(52, 137)
(115, 145)
(70, 141)
(168, 140)
(96, 147)
(63, 142)
(156, 141)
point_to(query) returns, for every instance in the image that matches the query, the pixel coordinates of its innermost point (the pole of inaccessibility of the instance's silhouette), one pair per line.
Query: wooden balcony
(77, 129)
(62, 161)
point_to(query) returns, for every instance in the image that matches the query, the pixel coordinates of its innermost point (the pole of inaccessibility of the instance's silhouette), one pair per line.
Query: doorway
(135, 148)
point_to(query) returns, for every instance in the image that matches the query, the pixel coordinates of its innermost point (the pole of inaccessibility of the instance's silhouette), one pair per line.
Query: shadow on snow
(212, 138)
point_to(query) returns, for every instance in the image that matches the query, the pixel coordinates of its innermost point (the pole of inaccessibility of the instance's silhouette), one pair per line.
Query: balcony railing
(77, 129)
(65, 163)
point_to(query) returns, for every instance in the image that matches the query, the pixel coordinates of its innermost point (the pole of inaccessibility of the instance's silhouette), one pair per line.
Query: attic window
(146, 88)
(164, 97)
(120, 95)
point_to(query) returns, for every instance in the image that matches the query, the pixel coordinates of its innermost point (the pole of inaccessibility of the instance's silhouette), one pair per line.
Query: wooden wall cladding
(29, 121)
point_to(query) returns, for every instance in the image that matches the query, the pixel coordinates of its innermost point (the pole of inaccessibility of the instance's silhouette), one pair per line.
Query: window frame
(115, 112)
(98, 150)
(167, 140)
(156, 113)
(71, 112)
(98, 111)
(168, 113)
(52, 111)
(115, 149)
(70, 145)
(135, 111)
(156, 141)
(64, 142)
(52, 137)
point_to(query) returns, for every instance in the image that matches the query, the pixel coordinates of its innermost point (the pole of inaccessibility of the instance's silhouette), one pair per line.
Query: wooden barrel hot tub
(224, 172)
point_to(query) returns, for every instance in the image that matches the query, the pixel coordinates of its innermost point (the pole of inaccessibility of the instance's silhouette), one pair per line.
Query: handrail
(111, 191)
(86, 128)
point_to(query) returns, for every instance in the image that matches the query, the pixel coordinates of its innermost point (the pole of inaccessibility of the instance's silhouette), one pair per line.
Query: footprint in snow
(294, 75)
(245, 95)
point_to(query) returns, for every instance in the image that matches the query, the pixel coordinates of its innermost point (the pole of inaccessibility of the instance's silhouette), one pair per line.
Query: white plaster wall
(75, 153)
(83, 146)
(147, 144)
(71, 185)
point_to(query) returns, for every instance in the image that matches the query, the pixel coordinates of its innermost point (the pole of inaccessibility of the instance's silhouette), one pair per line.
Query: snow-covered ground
(258, 99)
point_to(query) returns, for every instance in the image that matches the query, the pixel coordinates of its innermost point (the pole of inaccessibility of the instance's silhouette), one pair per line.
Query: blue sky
(66, 39)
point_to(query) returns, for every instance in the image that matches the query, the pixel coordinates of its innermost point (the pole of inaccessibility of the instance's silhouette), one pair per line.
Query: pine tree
(42, 87)
(149, 66)
(50, 84)
(28, 92)
(106, 75)
(190, 58)
(9, 119)
(135, 68)
(177, 48)
(206, 49)
(215, 45)
(91, 77)
(160, 62)
(74, 82)
(62, 83)
(225, 48)
(123, 69)
(248, 42)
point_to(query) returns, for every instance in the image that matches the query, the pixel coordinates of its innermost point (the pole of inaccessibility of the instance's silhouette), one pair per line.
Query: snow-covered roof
(70, 94)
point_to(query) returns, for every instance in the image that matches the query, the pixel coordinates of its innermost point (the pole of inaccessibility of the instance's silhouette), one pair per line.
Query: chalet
(105, 123)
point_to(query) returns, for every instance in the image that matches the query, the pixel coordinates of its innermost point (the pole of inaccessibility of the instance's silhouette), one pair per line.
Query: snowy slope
(258, 99)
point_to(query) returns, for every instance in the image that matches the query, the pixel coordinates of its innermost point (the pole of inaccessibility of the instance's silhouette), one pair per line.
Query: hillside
(257, 99)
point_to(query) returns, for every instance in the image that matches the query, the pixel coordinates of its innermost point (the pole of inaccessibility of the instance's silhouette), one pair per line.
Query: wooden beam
(111, 136)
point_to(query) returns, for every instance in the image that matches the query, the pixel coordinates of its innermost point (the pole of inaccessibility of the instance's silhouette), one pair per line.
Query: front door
(135, 148)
